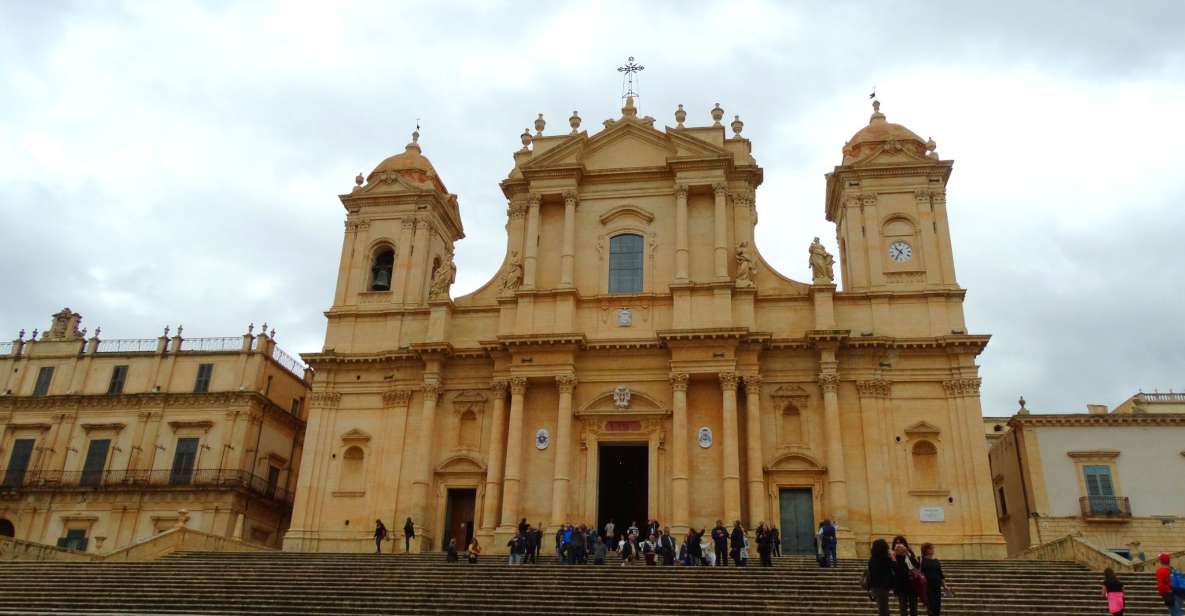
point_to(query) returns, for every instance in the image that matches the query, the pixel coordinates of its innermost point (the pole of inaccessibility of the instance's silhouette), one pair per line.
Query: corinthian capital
(752, 382)
(829, 382)
(728, 381)
(566, 383)
(518, 385)
(681, 190)
(396, 397)
(569, 197)
(431, 388)
(679, 381)
(534, 199)
(499, 386)
(720, 188)
(874, 388)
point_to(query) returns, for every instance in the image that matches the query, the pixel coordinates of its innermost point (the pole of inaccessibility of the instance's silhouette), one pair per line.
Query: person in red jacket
(1164, 585)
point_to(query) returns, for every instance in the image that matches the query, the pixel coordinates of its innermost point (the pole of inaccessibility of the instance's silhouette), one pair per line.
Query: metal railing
(1160, 397)
(225, 343)
(1105, 506)
(127, 345)
(231, 478)
(290, 363)
(6, 348)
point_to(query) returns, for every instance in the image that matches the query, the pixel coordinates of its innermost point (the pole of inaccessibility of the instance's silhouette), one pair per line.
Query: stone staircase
(306, 583)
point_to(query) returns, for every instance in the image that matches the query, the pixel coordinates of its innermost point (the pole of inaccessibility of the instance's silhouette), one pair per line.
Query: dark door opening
(622, 486)
(458, 518)
(798, 521)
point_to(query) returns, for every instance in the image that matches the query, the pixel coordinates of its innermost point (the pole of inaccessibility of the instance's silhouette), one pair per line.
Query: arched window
(381, 268)
(925, 465)
(353, 472)
(6, 528)
(625, 263)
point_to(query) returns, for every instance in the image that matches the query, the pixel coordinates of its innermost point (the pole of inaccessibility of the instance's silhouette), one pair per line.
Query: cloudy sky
(167, 162)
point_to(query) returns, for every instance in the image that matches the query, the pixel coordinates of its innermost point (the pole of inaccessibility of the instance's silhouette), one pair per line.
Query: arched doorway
(6, 528)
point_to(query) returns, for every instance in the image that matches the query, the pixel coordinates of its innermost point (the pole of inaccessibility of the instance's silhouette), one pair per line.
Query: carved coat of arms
(542, 439)
(621, 397)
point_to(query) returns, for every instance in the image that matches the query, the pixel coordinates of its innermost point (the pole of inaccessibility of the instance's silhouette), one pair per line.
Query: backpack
(1177, 582)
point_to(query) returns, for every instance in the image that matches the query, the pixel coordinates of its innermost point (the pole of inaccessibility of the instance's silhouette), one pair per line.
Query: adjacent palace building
(636, 358)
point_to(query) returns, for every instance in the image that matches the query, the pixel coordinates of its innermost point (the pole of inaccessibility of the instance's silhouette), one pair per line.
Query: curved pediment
(630, 211)
(606, 404)
(461, 463)
(795, 460)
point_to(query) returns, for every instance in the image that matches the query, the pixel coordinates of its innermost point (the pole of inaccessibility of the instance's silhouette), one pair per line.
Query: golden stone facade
(108, 442)
(635, 357)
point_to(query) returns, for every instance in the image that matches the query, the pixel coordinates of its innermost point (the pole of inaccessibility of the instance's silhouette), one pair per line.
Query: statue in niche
(822, 264)
(744, 265)
(514, 274)
(444, 278)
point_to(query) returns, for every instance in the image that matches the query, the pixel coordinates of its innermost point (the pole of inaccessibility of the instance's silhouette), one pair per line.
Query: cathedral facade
(636, 358)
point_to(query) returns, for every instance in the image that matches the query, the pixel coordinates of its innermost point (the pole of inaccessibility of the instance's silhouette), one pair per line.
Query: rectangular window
(44, 376)
(18, 462)
(1100, 489)
(273, 480)
(119, 374)
(202, 384)
(184, 460)
(96, 461)
(625, 264)
(296, 407)
(75, 539)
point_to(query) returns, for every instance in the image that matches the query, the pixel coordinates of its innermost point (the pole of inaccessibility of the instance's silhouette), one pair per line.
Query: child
(1113, 591)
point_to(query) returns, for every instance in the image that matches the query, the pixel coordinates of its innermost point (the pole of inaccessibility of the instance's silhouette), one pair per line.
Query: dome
(878, 133)
(410, 164)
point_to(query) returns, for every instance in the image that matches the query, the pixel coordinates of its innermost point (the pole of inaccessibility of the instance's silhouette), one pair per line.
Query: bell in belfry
(382, 279)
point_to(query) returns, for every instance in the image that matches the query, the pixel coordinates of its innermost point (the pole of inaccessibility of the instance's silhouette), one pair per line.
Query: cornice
(1083, 420)
(709, 333)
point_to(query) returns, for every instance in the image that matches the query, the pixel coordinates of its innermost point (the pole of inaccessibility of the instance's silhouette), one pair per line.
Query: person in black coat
(720, 543)
(879, 577)
(666, 544)
(532, 537)
(409, 533)
(935, 580)
(775, 540)
(738, 542)
(380, 533)
(764, 547)
(694, 550)
(904, 562)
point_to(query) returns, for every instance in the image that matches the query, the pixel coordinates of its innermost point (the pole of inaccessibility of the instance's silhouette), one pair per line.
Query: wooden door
(798, 521)
(458, 518)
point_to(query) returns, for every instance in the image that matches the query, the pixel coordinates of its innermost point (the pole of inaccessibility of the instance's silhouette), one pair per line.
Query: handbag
(917, 582)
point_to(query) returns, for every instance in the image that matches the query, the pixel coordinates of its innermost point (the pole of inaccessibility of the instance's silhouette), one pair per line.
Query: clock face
(900, 251)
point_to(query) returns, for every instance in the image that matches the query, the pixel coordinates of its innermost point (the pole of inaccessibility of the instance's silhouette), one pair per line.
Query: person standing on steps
(828, 540)
(409, 534)
(878, 579)
(599, 552)
(1164, 585)
(935, 580)
(720, 543)
(775, 540)
(904, 564)
(1112, 591)
(650, 550)
(380, 533)
(451, 552)
(738, 543)
(667, 543)
(632, 530)
(610, 540)
(523, 526)
(764, 549)
(473, 551)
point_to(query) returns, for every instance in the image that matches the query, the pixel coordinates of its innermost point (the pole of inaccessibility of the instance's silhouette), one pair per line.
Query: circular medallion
(704, 437)
(542, 439)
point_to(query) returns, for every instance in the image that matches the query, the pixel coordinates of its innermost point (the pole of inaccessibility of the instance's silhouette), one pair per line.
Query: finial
(540, 123)
(21, 335)
(737, 125)
(680, 116)
(359, 179)
(166, 331)
(876, 106)
(179, 330)
(251, 328)
(717, 114)
(629, 111)
(34, 336)
(272, 334)
(574, 122)
(97, 330)
(1021, 402)
(876, 112)
(526, 139)
(83, 332)
(263, 332)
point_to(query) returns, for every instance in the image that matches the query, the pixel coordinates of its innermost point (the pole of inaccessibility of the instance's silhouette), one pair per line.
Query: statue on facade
(514, 274)
(744, 265)
(822, 264)
(444, 278)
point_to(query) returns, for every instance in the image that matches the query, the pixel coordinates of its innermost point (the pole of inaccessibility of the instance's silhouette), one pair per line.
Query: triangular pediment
(922, 427)
(625, 144)
(355, 435)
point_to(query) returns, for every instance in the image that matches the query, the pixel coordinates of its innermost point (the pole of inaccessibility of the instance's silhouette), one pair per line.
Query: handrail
(288, 362)
(6, 348)
(144, 479)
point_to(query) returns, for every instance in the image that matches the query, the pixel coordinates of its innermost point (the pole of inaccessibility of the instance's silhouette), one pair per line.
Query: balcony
(1106, 507)
(125, 480)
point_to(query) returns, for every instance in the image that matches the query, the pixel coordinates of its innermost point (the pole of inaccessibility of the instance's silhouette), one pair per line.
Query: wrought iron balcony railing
(1105, 506)
(230, 478)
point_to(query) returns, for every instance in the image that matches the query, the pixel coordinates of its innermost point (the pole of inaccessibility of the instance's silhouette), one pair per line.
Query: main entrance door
(622, 486)
(458, 518)
(798, 521)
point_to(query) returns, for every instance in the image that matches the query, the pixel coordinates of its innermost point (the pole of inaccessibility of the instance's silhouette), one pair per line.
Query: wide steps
(356, 584)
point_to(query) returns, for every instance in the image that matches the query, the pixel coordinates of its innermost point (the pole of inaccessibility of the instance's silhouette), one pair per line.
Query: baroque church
(636, 358)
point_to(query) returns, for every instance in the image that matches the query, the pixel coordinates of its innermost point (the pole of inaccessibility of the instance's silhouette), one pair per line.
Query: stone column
(680, 518)
(837, 483)
(755, 474)
(721, 240)
(681, 253)
(514, 452)
(568, 256)
(489, 510)
(729, 436)
(563, 450)
(531, 242)
(423, 476)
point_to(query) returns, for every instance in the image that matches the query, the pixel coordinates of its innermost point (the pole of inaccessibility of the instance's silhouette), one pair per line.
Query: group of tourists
(912, 579)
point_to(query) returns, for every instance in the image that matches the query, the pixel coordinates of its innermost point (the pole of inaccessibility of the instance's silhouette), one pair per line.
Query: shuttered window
(202, 384)
(119, 374)
(183, 461)
(18, 462)
(96, 461)
(625, 264)
(44, 377)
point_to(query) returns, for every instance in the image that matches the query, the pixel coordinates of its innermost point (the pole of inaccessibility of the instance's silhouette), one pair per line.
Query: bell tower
(401, 224)
(888, 200)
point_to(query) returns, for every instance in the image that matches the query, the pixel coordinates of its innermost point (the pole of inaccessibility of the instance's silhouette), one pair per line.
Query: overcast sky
(165, 163)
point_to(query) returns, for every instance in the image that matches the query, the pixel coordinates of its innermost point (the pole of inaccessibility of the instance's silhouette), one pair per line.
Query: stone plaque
(932, 514)
(623, 426)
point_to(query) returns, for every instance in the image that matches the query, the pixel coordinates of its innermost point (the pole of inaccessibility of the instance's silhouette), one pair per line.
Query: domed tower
(401, 224)
(888, 200)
